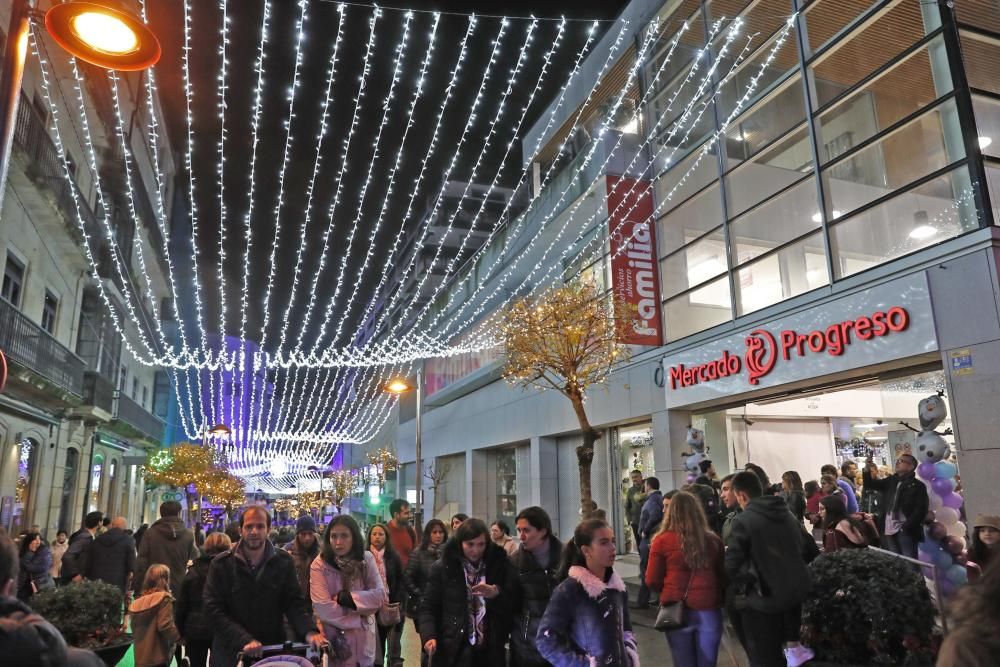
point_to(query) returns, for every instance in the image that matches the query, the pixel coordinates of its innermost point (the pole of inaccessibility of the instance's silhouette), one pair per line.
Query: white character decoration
(698, 453)
(930, 446)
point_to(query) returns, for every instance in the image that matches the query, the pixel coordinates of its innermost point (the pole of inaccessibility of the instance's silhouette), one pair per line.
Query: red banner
(633, 267)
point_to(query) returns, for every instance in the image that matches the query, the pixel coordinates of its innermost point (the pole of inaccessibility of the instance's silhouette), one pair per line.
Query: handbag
(340, 649)
(389, 614)
(671, 615)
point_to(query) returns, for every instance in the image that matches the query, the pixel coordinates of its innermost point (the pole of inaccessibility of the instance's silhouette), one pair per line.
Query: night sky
(167, 20)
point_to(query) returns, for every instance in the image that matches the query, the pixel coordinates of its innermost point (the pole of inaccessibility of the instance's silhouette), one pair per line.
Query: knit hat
(305, 524)
(987, 520)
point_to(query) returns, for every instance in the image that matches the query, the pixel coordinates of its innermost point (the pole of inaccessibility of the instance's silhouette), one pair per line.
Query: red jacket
(403, 539)
(668, 574)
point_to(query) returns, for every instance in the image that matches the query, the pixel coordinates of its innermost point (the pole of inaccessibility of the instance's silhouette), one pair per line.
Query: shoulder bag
(671, 615)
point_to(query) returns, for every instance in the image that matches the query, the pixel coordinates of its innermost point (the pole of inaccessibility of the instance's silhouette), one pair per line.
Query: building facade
(78, 411)
(826, 256)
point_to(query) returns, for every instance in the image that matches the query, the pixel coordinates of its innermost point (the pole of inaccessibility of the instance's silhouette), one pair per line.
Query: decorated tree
(343, 484)
(567, 339)
(383, 461)
(186, 466)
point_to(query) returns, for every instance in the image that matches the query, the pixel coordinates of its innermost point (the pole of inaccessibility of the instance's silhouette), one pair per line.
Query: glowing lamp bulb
(397, 387)
(923, 232)
(105, 33)
(278, 467)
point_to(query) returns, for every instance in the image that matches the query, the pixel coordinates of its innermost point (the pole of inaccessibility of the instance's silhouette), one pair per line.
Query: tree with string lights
(567, 339)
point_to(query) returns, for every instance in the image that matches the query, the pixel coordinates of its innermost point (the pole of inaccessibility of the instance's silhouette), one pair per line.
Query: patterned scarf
(351, 571)
(474, 574)
(380, 564)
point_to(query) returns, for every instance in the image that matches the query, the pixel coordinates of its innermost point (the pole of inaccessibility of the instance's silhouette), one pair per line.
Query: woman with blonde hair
(154, 634)
(686, 565)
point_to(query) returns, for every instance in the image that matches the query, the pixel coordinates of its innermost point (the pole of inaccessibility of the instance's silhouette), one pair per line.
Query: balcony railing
(134, 415)
(31, 346)
(98, 391)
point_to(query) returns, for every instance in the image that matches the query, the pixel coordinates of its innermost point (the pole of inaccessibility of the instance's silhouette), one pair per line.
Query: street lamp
(401, 386)
(91, 31)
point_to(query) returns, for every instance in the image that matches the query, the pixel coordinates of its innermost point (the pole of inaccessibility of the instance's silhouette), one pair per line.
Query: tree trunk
(585, 455)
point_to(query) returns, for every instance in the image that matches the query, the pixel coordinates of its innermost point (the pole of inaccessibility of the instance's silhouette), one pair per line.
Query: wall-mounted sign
(633, 250)
(961, 362)
(886, 322)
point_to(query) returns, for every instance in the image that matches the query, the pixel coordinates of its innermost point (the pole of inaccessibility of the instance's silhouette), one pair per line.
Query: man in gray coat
(168, 541)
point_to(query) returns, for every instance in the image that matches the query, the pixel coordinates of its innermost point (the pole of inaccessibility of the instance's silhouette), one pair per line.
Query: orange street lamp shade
(220, 429)
(103, 36)
(398, 386)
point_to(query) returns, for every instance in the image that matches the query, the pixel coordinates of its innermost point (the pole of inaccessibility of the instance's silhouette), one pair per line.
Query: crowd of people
(732, 552)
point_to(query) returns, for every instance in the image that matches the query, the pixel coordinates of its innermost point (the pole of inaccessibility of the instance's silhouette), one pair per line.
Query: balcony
(49, 368)
(134, 421)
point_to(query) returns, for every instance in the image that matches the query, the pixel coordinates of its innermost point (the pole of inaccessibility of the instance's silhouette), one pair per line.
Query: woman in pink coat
(347, 591)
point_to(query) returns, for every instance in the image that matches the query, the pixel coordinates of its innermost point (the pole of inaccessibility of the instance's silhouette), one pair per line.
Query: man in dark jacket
(766, 559)
(250, 591)
(112, 556)
(635, 496)
(536, 566)
(649, 521)
(904, 505)
(74, 560)
(304, 549)
(170, 542)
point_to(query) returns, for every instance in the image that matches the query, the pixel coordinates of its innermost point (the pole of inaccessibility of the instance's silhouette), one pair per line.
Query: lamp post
(90, 31)
(401, 386)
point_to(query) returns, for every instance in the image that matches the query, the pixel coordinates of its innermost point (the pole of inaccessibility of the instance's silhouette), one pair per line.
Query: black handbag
(671, 615)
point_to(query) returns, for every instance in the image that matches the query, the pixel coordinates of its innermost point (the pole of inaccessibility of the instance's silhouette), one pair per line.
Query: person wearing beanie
(304, 549)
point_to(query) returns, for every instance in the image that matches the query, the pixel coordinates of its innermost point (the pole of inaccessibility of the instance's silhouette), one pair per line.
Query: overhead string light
(220, 172)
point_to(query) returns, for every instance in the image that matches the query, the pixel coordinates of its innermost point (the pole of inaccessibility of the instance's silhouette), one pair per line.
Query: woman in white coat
(346, 592)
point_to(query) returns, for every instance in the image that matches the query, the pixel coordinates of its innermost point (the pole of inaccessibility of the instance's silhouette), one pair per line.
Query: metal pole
(11, 73)
(417, 519)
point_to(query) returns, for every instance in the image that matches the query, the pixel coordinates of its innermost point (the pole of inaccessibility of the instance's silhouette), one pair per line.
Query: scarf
(351, 570)
(379, 557)
(474, 574)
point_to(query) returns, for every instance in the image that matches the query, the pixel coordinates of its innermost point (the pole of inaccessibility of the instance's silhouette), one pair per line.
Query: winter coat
(668, 573)
(74, 560)
(531, 588)
(417, 572)
(303, 561)
(31, 640)
(111, 558)
(587, 622)
(34, 567)
(395, 584)
(843, 536)
(443, 613)
(766, 557)
(727, 523)
(154, 634)
(851, 496)
(245, 603)
(57, 553)
(651, 516)
(796, 501)
(358, 625)
(192, 618)
(168, 542)
(911, 502)
(634, 499)
(508, 544)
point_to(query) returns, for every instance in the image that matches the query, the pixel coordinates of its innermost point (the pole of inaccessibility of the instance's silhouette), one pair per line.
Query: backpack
(711, 504)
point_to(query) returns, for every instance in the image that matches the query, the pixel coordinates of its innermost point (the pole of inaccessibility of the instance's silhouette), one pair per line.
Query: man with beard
(251, 589)
(304, 549)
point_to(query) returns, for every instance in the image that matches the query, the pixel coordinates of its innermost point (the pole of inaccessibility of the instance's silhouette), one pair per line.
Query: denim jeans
(901, 544)
(697, 643)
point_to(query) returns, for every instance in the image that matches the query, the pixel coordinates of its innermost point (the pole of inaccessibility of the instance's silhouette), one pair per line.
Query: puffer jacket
(358, 624)
(531, 588)
(154, 634)
(192, 619)
(444, 610)
(587, 623)
(34, 567)
(417, 572)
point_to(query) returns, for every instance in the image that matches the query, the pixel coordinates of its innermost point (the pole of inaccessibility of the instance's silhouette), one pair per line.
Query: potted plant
(867, 608)
(89, 615)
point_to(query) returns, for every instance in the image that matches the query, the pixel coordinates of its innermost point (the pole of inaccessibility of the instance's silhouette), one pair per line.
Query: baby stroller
(289, 654)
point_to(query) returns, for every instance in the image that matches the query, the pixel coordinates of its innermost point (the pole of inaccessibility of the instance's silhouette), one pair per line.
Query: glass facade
(856, 147)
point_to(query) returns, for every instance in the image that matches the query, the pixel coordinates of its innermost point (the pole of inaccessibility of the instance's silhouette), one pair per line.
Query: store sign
(633, 263)
(887, 322)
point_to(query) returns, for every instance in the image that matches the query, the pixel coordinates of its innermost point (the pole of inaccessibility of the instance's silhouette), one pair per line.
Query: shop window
(701, 308)
(633, 446)
(924, 145)
(135, 388)
(112, 487)
(873, 46)
(691, 41)
(768, 172)
(981, 56)
(96, 477)
(787, 216)
(506, 475)
(145, 397)
(824, 19)
(66, 515)
(771, 118)
(49, 310)
(783, 61)
(993, 180)
(683, 178)
(793, 270)
(694, 264)
(692, 220)
(932, 212)
(13, 280)
(982, 15)
(987, 125)
(674, 139)
(27, 464)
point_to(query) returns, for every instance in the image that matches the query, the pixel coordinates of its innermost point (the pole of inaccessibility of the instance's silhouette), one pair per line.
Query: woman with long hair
(35, 563)
(794, 495)
(193, 623)
(419, 568)
(586, 621)
(154, 635)
(347, 591)
(390, 570)
(814, 494)
(686, 565)
(975, 609)
(465, 616)
(985, 547)
(765, 481)
(840, 529)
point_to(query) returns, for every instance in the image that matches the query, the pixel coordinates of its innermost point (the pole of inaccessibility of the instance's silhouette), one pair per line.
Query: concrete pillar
(476, 484)
(522, 471)
(544, 482)
(669, 441)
